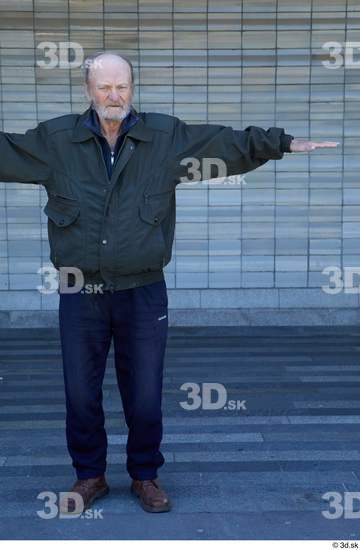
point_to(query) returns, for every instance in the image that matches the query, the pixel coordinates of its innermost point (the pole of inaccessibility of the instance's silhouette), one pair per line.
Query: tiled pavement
(258, 473)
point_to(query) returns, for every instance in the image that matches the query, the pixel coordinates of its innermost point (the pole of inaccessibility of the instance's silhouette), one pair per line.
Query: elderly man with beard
(110, 176)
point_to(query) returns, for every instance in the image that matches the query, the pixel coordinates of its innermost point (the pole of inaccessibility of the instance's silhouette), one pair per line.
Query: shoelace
(83, 483)
(151, 482)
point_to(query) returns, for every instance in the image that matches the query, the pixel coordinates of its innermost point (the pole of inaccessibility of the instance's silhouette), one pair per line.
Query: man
(110, 176)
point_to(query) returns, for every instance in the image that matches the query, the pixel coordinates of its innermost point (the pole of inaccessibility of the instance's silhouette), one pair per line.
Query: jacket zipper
(102, 158)
(112, 163)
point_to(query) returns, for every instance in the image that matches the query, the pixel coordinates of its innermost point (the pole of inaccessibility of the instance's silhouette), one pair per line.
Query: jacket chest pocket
(155, 207)
(65, 230)
(148, 250)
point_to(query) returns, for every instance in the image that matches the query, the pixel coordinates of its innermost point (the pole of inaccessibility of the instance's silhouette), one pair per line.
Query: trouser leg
(85, 331)
(140, 324)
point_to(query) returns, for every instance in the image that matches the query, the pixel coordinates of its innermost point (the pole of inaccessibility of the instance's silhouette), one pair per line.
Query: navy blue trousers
(137, 320)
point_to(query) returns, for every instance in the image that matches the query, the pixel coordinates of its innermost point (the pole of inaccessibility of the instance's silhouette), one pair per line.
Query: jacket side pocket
(65, 231)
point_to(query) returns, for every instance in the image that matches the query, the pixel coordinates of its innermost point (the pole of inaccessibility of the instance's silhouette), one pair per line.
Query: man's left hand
(303, 146)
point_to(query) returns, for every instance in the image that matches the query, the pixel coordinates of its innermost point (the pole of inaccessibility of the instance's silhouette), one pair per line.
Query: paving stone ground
(259, 472)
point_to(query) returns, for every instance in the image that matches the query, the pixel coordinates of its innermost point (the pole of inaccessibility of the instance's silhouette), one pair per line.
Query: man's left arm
(240, 150)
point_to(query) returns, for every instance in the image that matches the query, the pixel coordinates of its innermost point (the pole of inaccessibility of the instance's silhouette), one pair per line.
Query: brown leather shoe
(89, 489)
(152, 497)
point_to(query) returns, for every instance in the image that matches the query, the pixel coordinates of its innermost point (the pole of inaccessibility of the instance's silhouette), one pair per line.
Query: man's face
(110, 89)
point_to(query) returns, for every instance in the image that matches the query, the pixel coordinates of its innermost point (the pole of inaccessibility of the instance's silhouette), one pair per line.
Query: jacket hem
(123, 282)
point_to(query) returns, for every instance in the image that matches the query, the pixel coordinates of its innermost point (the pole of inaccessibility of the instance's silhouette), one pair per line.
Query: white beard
(112, 113)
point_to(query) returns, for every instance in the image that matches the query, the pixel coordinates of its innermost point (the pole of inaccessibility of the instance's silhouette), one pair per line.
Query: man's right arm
(25, 158)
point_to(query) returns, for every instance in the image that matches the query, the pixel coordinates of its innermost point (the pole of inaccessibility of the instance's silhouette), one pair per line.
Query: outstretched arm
(240, 150)
(25, 158)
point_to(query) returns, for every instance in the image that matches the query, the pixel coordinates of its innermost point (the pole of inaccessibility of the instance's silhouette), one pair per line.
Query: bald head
(104, 61)
(109, 84)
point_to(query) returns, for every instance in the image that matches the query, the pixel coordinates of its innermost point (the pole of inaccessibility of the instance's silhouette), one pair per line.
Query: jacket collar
(139, 131)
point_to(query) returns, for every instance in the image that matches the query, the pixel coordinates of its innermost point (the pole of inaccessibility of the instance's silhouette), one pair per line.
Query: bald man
(110, 176)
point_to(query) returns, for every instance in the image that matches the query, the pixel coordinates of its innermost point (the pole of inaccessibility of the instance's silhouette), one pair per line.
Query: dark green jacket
(121, 231)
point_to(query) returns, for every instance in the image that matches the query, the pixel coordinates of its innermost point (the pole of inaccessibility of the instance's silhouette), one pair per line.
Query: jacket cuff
(285, 140)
